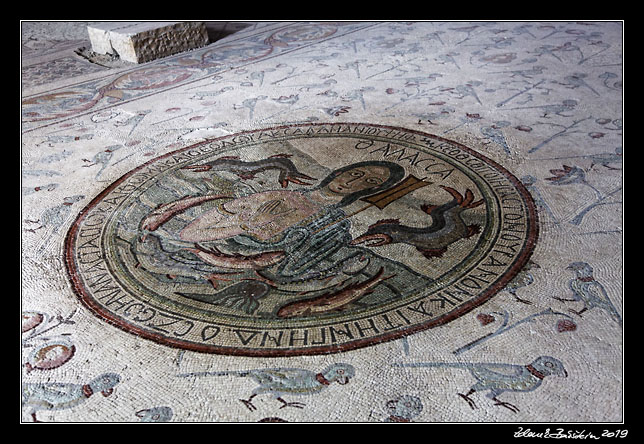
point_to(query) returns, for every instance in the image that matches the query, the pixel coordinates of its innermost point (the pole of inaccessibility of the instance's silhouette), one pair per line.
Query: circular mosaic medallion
(300, 239)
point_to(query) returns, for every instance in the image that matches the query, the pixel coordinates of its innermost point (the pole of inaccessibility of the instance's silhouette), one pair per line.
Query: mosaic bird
(62, 396)
(403, 408)
(155, 414)
(30, 190)
(495, 134)
(557, 109)
(576, 80)
(287, 381)
(522, 279)
(500, 378)
(102, 158)
(605, 159)
(55, 216)
(587, 290)
(250, 104)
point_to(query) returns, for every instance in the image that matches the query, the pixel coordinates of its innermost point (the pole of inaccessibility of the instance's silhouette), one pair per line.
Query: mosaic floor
(336, 222)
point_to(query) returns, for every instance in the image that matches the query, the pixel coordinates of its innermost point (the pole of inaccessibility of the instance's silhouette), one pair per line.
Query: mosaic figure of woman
(293, 241)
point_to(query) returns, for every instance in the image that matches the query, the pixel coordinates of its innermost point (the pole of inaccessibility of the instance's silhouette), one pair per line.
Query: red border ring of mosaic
(435, 230)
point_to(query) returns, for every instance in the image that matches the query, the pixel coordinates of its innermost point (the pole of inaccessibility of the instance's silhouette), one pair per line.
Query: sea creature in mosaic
(446, 228)
(248, 169)
(500, 378)
(61, 396)
(165, 212)
(213, 256)
(243, 295)
(333, 300)
(155, 414)
(287, 381)
(592, 293)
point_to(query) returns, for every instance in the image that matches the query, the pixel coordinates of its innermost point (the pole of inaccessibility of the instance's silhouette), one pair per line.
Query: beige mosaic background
(543, 99)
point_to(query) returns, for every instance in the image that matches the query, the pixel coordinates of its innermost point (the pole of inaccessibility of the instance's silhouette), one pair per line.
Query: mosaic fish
(247, 169)
(165, 212)
(333, 301)
(213, 256)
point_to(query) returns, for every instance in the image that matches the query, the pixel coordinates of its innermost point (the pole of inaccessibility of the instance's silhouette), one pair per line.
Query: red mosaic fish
(213, 256)
(248, 169)
(334, 301)
(165, 212)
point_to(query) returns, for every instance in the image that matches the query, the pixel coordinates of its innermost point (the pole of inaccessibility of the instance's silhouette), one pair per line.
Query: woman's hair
(396, 173)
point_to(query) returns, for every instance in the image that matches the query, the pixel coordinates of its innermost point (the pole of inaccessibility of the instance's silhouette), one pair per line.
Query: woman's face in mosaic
(358, 179)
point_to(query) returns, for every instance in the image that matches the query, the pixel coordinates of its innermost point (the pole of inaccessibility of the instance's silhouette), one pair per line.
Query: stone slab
(140, 42)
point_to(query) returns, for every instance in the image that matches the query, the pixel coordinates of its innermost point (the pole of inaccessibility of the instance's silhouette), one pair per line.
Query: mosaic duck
(446, 228)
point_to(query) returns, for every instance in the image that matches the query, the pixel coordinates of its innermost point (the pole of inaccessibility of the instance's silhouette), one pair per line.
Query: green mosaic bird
(500, 378)
(287, 381)
(586, 289)
(61, 396)
(403, 408)
(155, 414)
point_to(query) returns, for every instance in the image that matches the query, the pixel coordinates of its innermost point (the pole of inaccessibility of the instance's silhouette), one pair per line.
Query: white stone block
(140, 42)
